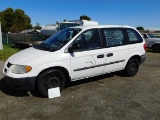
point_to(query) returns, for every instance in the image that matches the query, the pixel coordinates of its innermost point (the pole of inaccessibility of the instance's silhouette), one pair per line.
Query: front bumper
(18, 81)
(26, 84)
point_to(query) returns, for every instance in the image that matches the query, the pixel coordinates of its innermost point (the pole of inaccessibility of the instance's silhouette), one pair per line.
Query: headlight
(21, 69)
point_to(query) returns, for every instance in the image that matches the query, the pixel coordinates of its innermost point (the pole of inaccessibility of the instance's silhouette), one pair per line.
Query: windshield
(59, 39)
(151, 36)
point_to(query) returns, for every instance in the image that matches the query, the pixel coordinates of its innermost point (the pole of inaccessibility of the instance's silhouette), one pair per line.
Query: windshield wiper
(48, 47)
(42, 46)
(52, 49)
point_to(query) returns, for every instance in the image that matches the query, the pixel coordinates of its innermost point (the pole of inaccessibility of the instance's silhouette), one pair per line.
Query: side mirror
(73, 47)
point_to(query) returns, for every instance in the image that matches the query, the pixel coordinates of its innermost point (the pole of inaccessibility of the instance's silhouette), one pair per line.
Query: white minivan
(76, 53)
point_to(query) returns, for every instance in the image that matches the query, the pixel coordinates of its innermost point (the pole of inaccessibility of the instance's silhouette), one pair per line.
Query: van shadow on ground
(79, 82)
(6, 89)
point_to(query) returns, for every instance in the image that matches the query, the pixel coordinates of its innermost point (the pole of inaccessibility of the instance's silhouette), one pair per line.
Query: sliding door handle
(109, 54)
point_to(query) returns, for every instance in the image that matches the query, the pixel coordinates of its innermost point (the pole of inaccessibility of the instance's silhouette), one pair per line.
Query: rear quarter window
(133, 36)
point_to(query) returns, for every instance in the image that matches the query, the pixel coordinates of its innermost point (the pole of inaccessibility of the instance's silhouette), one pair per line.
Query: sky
(145, 13)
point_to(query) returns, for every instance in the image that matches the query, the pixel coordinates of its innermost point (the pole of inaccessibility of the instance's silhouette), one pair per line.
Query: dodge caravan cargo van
(75, 53)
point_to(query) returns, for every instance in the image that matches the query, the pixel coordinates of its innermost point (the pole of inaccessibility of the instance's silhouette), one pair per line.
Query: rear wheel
(156, 48)
(132, 67)
(51, 79)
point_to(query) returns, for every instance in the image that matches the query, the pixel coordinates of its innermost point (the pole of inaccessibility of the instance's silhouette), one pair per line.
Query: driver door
(89, 59)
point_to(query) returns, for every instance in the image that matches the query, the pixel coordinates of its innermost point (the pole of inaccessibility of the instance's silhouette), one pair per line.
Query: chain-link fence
(27, 39)
(5, 39)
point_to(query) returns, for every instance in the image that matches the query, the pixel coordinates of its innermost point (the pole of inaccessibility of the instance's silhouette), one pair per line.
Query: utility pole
(1, 45)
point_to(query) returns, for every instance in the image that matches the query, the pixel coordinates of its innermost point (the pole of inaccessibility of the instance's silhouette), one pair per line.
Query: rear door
(116, 49)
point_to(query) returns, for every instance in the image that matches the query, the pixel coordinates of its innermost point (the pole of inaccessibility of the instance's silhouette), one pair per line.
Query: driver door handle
(100, 56)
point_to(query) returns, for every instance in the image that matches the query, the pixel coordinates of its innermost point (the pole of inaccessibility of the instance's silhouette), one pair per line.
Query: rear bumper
(143, 58)
(26, 84)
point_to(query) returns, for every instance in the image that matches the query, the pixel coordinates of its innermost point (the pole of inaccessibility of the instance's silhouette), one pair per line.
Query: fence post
(1, 45)
(7, 37)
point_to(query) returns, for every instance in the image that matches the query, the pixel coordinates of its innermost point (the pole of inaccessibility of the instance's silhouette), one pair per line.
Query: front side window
(133, 36)
(113, 37)
(89, 39)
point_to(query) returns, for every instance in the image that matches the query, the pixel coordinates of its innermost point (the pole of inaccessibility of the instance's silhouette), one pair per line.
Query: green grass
(7, 52)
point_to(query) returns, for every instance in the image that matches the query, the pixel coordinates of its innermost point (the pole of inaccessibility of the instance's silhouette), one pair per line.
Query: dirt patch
(110, 97)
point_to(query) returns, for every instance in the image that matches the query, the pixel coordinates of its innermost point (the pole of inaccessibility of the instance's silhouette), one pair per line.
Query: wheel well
(137, 57)
(59, 68)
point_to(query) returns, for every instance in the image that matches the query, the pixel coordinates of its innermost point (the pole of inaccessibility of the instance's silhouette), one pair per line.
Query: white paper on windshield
(54, 92)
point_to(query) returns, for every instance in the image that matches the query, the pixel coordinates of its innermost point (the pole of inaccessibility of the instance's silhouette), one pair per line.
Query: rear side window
(114, 37)
(133, 36)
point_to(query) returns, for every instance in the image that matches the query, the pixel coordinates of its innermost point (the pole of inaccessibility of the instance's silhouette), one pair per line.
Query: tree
(57, 22)
(3, 22)
(21, 21)
(37, 27)
(9, 16)
(84, 17)
(64, 20)
(14, 21)
(140, 28)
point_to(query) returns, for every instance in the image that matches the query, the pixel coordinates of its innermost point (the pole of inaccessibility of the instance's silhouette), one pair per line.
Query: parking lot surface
(106, 97)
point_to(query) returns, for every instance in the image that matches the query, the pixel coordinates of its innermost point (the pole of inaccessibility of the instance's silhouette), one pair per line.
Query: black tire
(51, 78)
(132, 67)
(156, 48)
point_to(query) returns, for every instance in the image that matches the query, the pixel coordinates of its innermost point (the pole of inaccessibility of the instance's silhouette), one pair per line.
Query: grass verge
(7, 52)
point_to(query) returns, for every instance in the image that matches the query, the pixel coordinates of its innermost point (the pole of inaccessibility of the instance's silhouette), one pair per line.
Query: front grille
(9, 64)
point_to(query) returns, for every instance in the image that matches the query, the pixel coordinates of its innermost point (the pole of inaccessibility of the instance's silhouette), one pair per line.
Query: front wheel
(51, 79)
(132, 67)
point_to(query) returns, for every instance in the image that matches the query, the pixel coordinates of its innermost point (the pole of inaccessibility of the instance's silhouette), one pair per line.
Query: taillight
(145, 46)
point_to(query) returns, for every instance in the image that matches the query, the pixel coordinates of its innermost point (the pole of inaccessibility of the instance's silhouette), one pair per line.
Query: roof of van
(103, 26)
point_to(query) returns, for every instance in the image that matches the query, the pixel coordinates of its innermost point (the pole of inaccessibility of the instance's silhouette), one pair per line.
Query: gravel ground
(107, 97)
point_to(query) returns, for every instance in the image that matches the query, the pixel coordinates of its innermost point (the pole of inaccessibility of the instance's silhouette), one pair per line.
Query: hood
(27, 55)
